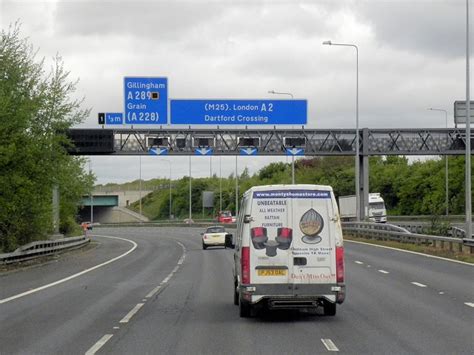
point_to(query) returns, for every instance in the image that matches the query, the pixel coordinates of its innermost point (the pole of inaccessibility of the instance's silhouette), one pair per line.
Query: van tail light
(340, 264)
(245, 263)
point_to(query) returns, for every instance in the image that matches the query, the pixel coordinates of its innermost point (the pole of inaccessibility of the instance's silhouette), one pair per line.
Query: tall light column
(169, 185)
(140, 182)
(357, 162)
(446, 161)
(468, 135)
(236, 188)
(190, 194)
(292, 156)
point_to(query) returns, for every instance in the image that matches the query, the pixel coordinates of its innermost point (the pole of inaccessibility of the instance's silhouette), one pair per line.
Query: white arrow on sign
(158, 151)
(203, 151)
(295, 151)
(248, 151)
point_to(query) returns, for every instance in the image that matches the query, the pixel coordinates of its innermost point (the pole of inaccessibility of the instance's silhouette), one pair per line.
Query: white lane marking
(170, 275)
(329, 344)
(144, 300)
(29, 292)
(153, 292)
(359, 262)
(470, 304)
(410, 252)
(99, 344)
(418, 284)
(441, 293)
(131, 313)
(384, 272)
(116, 327)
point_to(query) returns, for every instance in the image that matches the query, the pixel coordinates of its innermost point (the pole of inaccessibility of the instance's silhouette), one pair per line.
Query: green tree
(35, 110)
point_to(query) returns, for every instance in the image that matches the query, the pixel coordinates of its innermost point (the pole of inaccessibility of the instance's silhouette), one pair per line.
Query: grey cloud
(435, 28)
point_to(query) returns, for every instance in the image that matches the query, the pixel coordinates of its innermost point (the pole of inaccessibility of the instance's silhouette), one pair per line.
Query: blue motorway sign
(294, 151)
(114, 118)
(158, 151)
(203, 151)
(248, 151)
(146, 100)
(239, 112)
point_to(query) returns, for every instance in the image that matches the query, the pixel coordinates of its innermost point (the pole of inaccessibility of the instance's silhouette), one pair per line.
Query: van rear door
(290, 237)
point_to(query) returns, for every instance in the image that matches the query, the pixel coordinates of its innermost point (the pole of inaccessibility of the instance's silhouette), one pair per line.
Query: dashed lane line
(132, 313)
(470, 304)
(329, 344)
(99, 344)
(29, 292)
(384, 272)
(418, 284)
(359, 262)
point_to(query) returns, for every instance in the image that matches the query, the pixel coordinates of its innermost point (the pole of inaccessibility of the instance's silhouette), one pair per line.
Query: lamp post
(292, 156)
(92, 193)
(140, 182)
(169, 163)
(468, 135)
(446, 160)
(190, 192)
(357, 163)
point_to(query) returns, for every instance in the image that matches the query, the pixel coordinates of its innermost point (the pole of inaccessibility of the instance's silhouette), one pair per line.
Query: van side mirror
(229, 241)
(248, 218)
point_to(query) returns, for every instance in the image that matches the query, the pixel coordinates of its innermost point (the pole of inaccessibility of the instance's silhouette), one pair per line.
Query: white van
(288, 250)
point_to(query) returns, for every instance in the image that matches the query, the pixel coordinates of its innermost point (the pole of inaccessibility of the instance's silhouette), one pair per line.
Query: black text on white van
(289, 249)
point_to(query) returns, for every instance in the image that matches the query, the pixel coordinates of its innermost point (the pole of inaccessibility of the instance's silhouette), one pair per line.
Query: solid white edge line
(470, 304)
(418, 284)
(410, 252)
(23, 294)
(329, 344)
(132, 313)
(383, 272)
(99, 344)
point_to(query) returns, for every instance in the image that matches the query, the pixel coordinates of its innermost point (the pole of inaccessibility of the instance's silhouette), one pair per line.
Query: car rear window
(215, 230)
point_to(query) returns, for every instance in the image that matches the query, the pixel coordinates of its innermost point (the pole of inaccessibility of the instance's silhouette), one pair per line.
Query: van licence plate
(271, 272)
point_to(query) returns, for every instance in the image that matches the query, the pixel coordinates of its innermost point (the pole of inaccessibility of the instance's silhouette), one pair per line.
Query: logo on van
(311, 224)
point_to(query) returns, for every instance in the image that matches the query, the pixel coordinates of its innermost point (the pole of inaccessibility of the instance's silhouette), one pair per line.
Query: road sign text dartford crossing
(239, 112)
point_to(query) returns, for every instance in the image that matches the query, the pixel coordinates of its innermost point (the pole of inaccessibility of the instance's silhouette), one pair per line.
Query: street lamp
(468, 135)
(169, 163)
(280, 93)
(446, 159)
(292, 156)
(357, 163)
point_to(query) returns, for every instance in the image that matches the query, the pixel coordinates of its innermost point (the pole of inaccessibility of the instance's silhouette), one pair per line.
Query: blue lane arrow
(158, 151)
(248, 151)
(294, 151)
(203, 151)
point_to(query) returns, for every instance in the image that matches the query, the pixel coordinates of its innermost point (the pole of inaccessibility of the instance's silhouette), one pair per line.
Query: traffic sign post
(146, 100)
(239, 112)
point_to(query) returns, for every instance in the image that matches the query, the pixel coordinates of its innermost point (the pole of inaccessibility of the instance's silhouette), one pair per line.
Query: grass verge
(424, 249)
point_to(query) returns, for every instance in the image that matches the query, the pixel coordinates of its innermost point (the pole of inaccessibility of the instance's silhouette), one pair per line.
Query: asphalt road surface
(157, 292)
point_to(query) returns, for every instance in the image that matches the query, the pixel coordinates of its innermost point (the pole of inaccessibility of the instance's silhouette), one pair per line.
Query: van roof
(288, 187)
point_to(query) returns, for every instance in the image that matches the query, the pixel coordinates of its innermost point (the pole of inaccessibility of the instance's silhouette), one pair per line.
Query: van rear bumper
(293, 295)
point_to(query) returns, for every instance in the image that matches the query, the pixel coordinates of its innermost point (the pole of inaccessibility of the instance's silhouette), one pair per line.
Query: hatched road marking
(329, 344)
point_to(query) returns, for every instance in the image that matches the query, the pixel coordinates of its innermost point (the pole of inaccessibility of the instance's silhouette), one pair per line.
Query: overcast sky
(411, 57)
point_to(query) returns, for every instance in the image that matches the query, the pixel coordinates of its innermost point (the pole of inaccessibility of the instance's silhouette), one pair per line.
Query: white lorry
(377, 212)
(289, 251)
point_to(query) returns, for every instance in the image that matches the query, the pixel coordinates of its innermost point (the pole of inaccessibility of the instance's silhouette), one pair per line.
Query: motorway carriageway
(155, 291)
